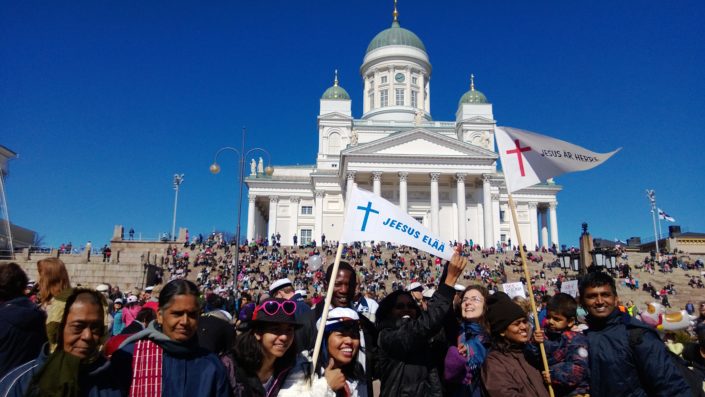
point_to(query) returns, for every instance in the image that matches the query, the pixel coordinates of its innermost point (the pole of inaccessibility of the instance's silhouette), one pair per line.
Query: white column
(377, 183)
(294, 210)
(318, 207)
(462, 219)
(251, 217)
(533, 226)
(434, 202)
(488, 228)
(350, 183)
(554, 224)
(544, 227)
(403, 203)
(273, 203)
(496, 224)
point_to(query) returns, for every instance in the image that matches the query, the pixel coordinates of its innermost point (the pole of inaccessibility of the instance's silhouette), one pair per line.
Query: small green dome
(473, 96)
(396, 35)
(336, 92)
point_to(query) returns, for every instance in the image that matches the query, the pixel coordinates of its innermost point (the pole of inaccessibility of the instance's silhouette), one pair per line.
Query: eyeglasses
(272, 307)
(473, 299)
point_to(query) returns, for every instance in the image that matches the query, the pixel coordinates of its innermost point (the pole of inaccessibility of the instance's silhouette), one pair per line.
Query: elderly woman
(407, 363)
(76, 367)
(506, 373)
(264, 354)
(339, 366)
(470, 344)
(165, 359)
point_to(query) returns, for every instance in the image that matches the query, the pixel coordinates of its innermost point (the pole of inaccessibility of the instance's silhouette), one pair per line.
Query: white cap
(413, 286)
(118, 300)
(339, 314)
(131, 299)
(279, 284)
(149, 289)
(459, 288)
(429, 293)
(102, 288)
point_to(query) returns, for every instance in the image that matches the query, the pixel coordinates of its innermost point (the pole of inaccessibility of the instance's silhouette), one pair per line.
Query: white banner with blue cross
(369, 217)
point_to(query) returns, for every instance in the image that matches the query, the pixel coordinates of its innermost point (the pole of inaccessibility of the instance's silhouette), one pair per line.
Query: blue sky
(105, 101)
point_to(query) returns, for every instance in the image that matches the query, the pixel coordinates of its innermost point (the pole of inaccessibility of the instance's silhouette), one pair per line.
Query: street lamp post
(178, 179)
(215, 169)
(651, 195)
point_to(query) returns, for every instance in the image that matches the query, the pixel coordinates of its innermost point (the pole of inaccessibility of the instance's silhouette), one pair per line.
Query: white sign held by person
(529, 158)
(570, 288)
(514, 289)
(369, 217)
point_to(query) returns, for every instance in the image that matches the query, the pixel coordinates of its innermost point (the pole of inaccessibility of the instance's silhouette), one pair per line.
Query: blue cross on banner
(387, 223)
(367, 210)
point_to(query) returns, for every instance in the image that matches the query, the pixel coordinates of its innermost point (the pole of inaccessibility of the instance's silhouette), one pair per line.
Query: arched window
(334, 143)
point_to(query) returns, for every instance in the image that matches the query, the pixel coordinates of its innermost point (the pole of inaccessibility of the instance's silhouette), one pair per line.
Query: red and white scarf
(146, 370)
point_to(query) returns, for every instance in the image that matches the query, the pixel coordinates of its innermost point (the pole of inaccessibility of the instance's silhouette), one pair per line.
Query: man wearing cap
(416, 290)
(304, 336)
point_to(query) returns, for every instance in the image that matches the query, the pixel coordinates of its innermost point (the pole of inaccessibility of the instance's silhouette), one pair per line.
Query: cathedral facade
(442, 173)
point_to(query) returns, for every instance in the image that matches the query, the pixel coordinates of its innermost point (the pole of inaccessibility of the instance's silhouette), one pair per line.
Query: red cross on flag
(529, 158)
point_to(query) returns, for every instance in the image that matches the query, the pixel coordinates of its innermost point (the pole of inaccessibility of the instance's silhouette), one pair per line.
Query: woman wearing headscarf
(506, 372)
(76, 367)
(165, 359)
(466, 355)
(339, 366)
(264, 355)
(406, 363)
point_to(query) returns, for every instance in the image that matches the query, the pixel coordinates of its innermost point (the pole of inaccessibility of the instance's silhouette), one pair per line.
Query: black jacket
(405, 357)
(22, 333)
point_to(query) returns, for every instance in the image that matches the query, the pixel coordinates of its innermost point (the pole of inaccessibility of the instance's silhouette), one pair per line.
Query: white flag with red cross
(529, 158)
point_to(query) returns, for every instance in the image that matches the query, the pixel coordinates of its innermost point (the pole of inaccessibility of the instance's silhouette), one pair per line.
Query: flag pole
(528, 283)
(326, 307)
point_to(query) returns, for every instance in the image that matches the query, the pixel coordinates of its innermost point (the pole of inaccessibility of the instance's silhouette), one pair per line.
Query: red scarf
(146, 370)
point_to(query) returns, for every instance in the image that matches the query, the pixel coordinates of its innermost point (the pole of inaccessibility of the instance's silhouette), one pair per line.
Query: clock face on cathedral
(399, 78)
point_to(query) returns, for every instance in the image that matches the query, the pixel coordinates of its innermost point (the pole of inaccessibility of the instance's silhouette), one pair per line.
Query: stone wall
(126, 276)
(125, 269)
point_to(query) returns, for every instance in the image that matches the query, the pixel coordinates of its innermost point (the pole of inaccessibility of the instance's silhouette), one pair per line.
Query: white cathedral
(443, 173)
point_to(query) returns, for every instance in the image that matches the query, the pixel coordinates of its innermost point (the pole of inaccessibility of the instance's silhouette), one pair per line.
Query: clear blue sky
(105, 101)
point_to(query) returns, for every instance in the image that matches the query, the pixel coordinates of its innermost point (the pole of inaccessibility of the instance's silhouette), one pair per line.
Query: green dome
(473, 96)
(396, 35)
(336, 92)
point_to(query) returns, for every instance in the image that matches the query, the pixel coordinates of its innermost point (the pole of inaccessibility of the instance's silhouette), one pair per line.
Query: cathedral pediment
(419, 143)
(335, 116)
(478, 120)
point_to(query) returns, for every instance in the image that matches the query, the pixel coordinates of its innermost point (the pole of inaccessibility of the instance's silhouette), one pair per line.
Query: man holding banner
(369, 217)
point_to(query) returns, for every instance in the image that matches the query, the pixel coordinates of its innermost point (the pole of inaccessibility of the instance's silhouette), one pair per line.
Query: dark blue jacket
(620, 369)
(187, 369)
(95, 380)
(22, 333)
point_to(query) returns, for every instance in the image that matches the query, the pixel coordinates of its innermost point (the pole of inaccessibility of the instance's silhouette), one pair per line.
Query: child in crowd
(567, 350)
